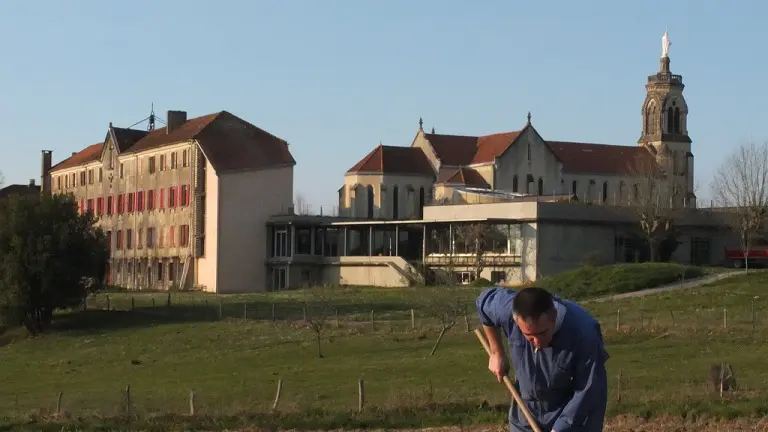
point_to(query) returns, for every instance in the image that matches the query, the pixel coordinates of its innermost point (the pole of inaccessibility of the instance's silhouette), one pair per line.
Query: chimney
(31, 182)
(45, 178)
(174, 119)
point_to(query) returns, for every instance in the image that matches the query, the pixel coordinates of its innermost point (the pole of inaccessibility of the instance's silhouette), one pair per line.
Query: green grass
(664, 349)
(593, 281)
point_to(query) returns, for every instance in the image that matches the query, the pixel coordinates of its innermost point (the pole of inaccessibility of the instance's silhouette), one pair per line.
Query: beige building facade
(183, 206)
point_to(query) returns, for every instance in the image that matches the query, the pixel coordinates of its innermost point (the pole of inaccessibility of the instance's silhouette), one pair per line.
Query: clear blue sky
(334, 78)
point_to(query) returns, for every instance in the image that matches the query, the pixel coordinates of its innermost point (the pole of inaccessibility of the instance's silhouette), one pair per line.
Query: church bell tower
(665, 127)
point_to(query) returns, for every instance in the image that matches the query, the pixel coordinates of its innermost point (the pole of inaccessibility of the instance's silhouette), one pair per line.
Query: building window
(185, 158)
(160, 271)
(110, 203)
(279, 278)
(498, 276)
(101, 175)
(140, 239)
(109, 240)
(184, 235)
(303, 241)
(128, 238)
(150, 237)
(151, 165)
(700, 251)
(171, 197)
(90, 176)
(280, 248)
(120, 239)
(89, 206)
(122, 172)
(174, 160)
(540, 186)
(171, 274)
(151, 199)
(130, 201)
(162, 162)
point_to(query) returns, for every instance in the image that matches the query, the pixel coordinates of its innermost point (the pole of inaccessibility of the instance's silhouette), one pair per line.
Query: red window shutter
(122, 203)
(162, 198)
(101, 206)
(188, 191)
(114, 204)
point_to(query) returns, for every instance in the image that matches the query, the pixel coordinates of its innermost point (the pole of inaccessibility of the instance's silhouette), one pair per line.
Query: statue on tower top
(665, 44)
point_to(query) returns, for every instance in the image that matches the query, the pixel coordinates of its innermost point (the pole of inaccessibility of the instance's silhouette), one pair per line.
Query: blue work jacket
(564, 386)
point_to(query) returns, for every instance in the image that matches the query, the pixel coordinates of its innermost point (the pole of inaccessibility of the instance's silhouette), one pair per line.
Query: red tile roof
(394, 160)
(456, 150)
(463, 176)
(89, 154)
(229, 142)
(598, 158)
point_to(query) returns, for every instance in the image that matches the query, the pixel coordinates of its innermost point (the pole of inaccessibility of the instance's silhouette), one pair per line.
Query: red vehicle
(757, 256)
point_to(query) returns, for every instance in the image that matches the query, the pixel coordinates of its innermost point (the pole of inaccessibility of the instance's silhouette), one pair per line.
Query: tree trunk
(746, 262)
(319, 351)
(439, 338)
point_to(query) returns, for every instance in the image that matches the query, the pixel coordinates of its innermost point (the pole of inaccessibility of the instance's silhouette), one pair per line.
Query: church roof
(463, 176)
(585, 158)
(457, 150)
(394, 160)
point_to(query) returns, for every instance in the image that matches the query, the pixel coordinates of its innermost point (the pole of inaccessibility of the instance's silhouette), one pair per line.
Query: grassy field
(664, 348)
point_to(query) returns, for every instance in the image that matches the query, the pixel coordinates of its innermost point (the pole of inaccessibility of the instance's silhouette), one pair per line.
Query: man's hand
(498, 365)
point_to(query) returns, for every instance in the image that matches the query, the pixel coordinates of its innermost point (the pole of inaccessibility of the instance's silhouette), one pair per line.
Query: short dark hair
(532, 302)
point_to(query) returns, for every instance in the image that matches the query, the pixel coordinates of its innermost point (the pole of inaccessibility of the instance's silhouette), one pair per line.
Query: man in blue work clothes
(558, 355)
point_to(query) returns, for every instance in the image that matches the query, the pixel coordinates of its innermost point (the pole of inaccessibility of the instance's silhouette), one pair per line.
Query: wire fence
(290, 392)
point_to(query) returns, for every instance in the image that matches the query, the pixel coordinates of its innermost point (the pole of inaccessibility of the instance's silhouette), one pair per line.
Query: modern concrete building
(184, 205)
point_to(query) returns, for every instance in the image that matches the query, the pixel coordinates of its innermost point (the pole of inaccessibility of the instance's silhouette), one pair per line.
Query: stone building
(393, 182)
(184, 205)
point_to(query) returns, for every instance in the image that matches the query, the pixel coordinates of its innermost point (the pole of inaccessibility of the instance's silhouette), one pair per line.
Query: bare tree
(446, 304)
(318, 306)
(300, 205)
(739, 185)
(475, 237)
(652, 198)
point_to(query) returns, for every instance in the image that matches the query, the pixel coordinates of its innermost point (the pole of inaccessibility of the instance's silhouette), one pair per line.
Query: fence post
(413, 320)
(191, 402)
(128, 399)
(725, 318)
(360, 395)
(618, 319)
(277, 395)
(245, 311)
(58, 403)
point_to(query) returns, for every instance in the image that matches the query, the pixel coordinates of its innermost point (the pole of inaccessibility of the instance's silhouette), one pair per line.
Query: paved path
(669, 287)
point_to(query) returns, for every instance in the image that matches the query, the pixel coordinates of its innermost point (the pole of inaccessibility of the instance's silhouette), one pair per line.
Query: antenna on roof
(151, 125)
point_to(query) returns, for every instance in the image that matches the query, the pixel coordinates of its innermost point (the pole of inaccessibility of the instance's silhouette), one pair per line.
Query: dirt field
(622, 424)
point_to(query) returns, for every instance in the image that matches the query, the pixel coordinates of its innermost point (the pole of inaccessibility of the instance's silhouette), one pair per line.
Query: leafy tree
(50, 258)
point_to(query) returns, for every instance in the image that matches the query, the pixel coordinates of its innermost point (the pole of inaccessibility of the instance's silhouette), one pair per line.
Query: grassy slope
(233, 365)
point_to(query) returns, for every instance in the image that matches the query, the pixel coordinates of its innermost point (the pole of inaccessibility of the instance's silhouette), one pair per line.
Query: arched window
(605, 192)
(514, 183)
(541, 186)
(678, 129)
(369, 195)
(670, 120)
(573, 187)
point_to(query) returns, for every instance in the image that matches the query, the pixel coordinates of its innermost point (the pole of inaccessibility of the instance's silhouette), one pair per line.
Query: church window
(541, 186)
(670, 120)
(678, 129)
(573, 187)
(514, 183)
(605, 192)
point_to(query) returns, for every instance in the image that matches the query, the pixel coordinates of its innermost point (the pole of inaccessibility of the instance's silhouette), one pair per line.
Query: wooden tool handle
(510, 386)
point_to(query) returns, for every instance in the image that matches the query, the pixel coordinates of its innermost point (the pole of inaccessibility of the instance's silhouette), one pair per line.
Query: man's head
(534, 313)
